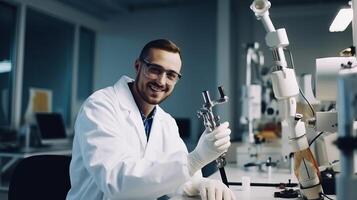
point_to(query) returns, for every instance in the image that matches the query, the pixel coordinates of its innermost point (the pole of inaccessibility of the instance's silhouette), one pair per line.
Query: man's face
(155, 90)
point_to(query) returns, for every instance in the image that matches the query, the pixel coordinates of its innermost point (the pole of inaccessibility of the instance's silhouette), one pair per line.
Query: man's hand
(210, 146)
(209, 189)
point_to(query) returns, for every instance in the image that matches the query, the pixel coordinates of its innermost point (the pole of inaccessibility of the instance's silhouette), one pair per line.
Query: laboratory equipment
(211, 121)
(259, 107)
(347, 106)
(326, 122)
(340, 75)
(286, 89)
(347, 141)
(252, 92)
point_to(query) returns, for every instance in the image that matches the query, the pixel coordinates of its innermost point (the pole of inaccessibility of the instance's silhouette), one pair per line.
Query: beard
(144, 91)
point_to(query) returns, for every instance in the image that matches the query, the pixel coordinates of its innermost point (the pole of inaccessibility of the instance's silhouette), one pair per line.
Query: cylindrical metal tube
(206, 99)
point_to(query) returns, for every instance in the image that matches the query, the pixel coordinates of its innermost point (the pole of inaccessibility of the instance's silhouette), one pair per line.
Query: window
(85, 64)
(48, 60)
(7, 41)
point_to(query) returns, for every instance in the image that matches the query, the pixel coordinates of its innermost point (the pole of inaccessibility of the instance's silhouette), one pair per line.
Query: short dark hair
(162, 44)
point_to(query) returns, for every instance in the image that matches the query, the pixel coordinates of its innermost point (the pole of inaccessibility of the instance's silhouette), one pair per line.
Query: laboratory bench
(235, 174)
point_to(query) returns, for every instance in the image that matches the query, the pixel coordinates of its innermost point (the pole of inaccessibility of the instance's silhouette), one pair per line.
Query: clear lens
(153, 71)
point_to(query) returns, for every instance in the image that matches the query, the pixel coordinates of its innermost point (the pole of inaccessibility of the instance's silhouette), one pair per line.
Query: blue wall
(191, 27)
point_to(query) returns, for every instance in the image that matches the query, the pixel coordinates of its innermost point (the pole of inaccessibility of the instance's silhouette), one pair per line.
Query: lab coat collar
(127, 102)
(126, 97)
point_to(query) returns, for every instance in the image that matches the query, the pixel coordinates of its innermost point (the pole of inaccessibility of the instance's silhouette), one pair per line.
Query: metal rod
(266, 184)
(207, 99)
(223, 176)
(221, 92)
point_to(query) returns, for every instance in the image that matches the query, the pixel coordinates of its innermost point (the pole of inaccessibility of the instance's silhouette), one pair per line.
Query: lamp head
(260, 7)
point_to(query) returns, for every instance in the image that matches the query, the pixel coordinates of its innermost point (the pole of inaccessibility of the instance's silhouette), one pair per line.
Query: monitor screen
(51, 125)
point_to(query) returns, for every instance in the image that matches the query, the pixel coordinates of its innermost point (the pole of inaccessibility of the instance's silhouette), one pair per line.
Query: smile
(156, 89)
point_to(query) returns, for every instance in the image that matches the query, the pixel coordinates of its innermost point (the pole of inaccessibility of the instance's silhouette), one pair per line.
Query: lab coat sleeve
(117, 173)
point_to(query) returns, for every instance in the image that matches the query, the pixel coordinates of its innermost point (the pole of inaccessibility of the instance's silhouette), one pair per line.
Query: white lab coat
(111, 156)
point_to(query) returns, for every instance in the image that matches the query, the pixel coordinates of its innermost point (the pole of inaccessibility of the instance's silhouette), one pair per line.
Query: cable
(302, 94)
(311, 108)
(326, 196)
(317, 136)
(291, 58)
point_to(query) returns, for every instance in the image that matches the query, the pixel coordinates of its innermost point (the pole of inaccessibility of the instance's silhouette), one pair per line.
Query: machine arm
(286, 89)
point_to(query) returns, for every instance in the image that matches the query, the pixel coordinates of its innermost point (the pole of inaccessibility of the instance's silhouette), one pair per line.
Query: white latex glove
(208, 189)
(210, 146)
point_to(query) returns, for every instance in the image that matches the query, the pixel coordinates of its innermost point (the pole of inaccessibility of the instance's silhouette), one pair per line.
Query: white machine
(327, 73)
(338, 76)
(252, 92)
(286, 89)
(339, 79)
(258, 102)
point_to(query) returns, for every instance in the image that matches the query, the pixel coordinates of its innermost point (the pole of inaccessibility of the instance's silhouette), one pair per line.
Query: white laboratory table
(235, 174)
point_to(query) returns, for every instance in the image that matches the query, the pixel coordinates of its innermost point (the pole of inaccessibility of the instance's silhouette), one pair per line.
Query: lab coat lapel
(136, 120)
(127, 101)
(154, 146)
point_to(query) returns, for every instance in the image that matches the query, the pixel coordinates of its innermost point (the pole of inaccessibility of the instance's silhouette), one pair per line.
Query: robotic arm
(284, 82)
(286, 89)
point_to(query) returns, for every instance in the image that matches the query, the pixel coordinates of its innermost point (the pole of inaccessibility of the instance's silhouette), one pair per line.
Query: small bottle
(269, 165)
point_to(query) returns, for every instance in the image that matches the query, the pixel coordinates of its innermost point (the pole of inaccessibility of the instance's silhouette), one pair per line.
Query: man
(127, 147)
